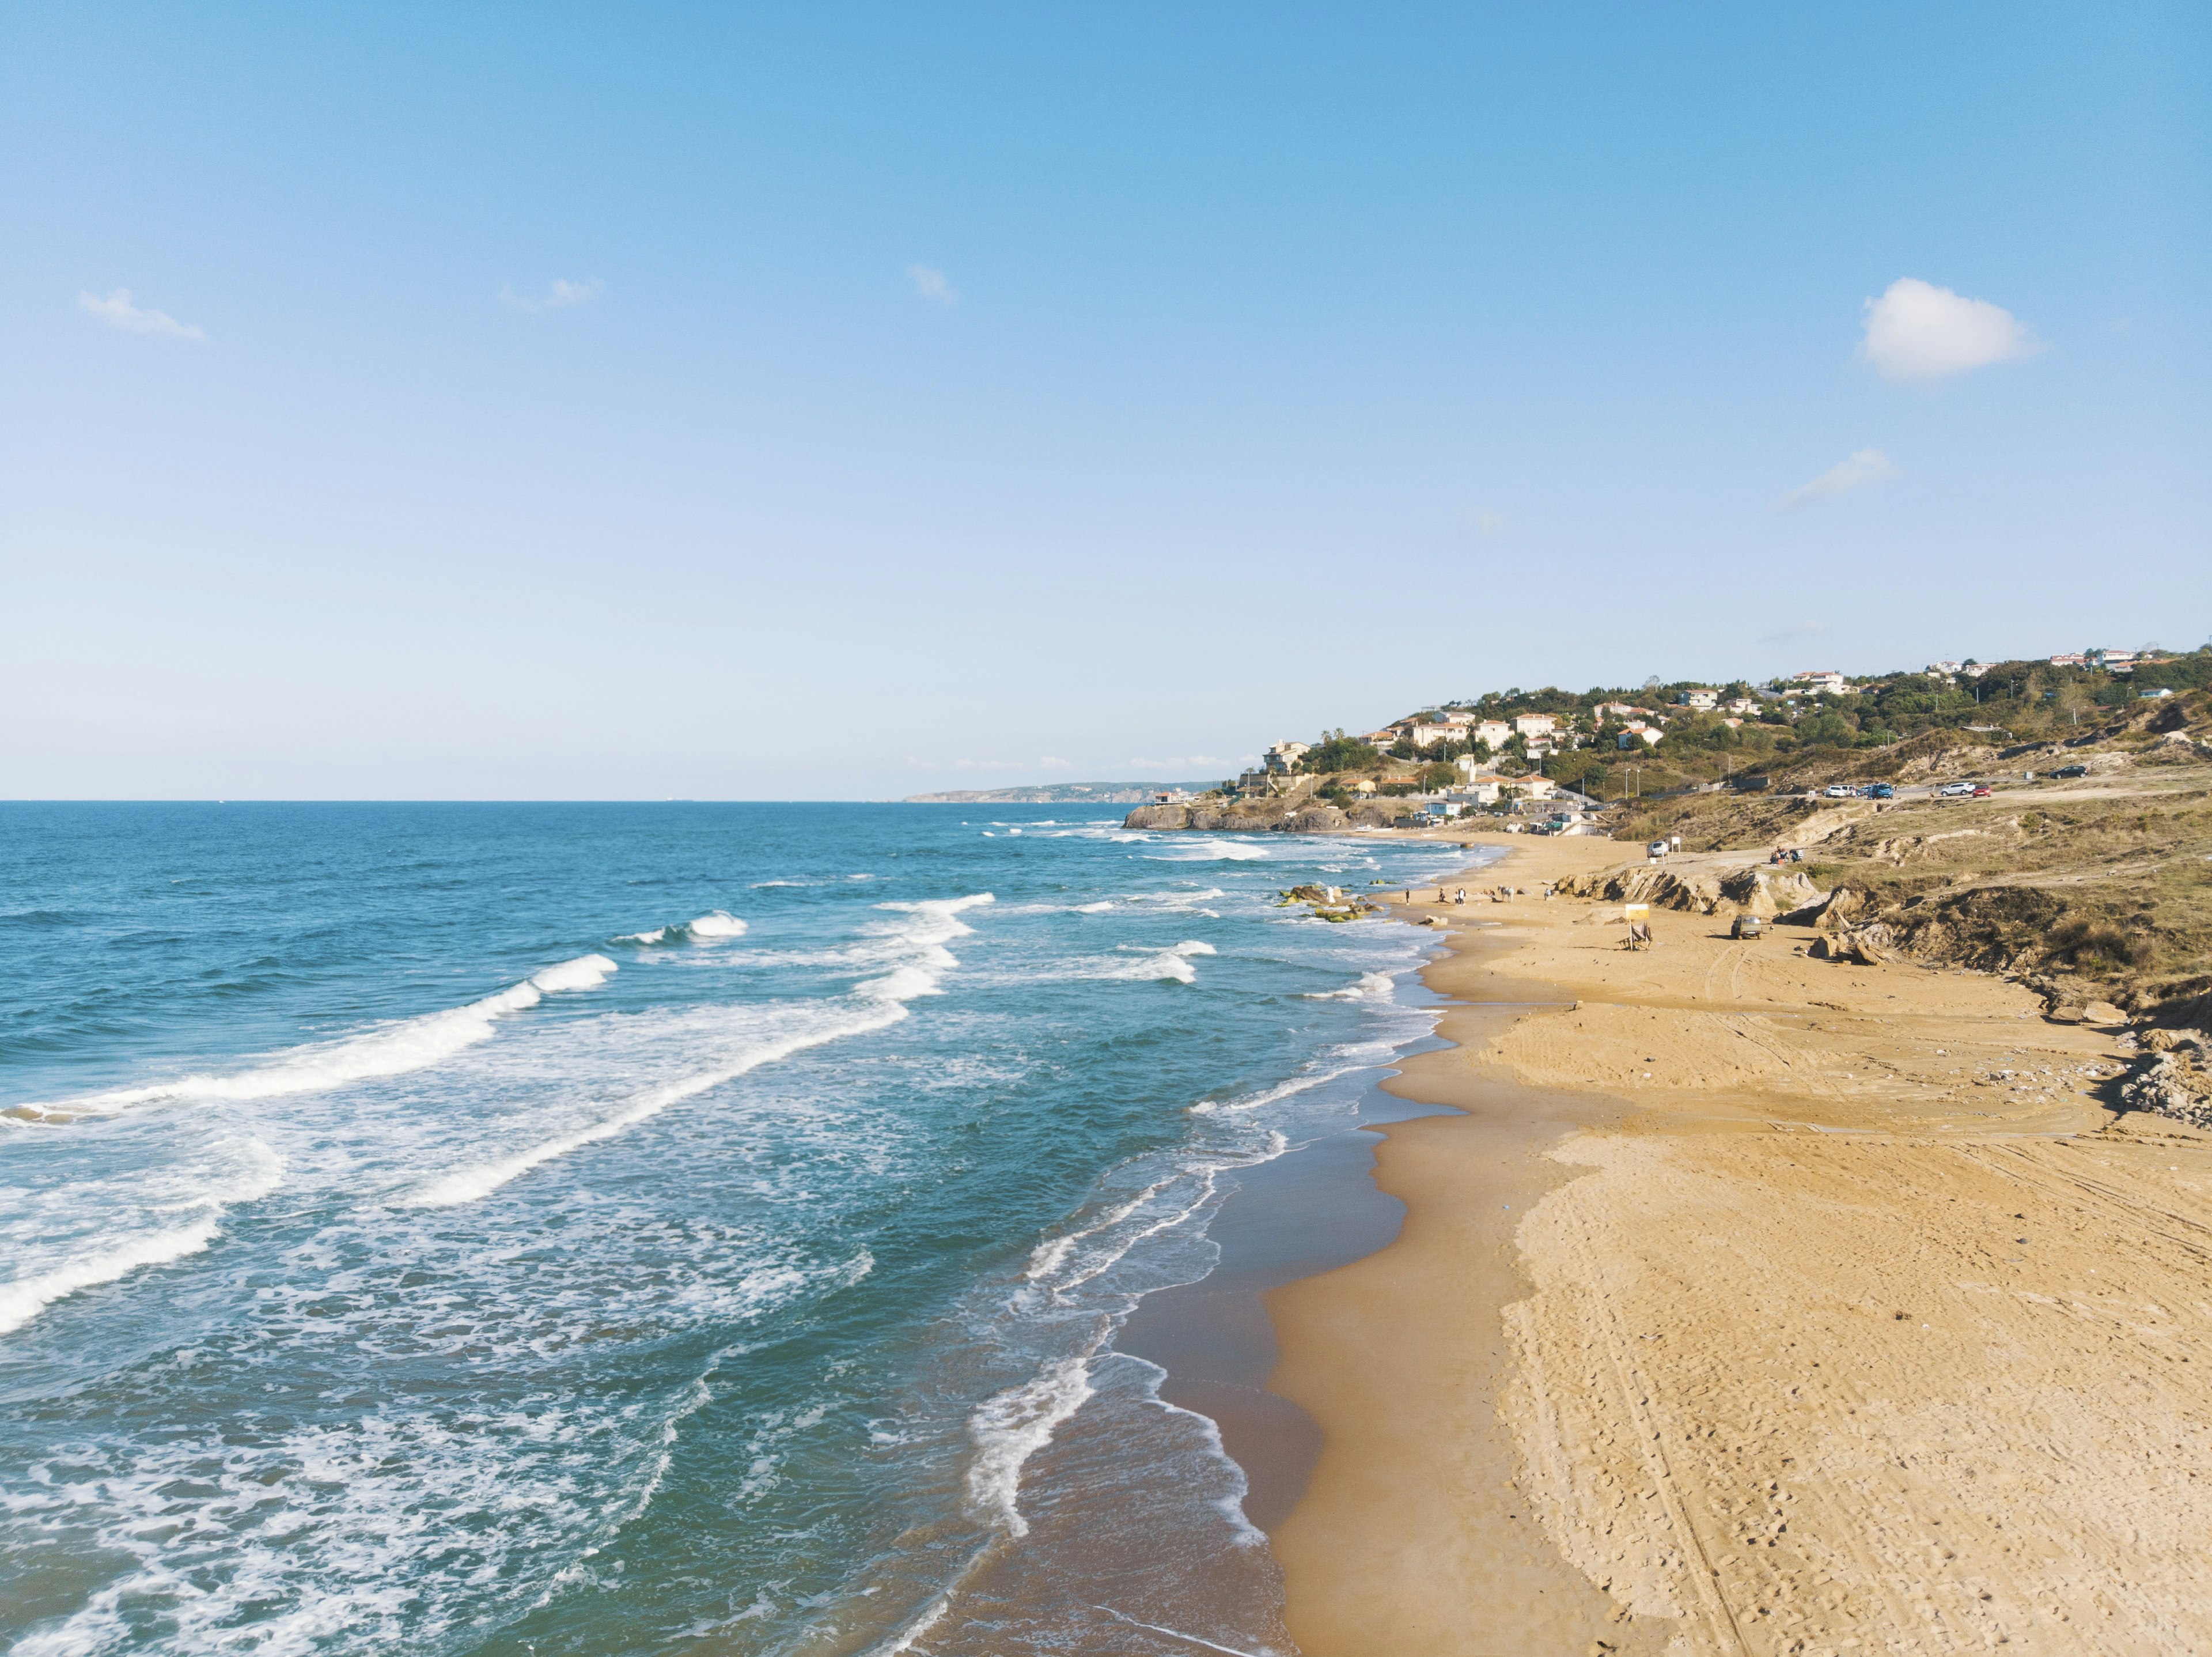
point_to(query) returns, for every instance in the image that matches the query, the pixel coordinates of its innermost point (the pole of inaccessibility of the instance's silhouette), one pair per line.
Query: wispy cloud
(562, 296)
(1797, 634)
(1868, 466)
(1487, 522)
(929, 282)
(1917, 330)
(117, 312)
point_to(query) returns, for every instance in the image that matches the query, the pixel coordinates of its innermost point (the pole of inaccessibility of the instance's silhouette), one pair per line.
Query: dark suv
(2072, 770)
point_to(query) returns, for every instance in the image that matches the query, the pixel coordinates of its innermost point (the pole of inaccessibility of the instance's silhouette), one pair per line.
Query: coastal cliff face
(1256, 816)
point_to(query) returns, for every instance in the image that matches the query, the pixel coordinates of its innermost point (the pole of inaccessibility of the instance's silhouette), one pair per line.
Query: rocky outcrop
(2175, 1084)
(1753, 891)
(1870, 946)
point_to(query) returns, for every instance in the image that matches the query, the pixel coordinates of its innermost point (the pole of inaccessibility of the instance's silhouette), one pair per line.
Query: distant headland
(1066, 794)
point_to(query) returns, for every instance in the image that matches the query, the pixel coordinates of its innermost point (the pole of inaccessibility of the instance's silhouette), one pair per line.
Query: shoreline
(1360, 1344)
(1833, 1311)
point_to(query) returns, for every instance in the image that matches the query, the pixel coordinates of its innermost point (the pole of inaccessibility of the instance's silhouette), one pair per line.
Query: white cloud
(930, 283)
(1917, 330)
(1487, 522)
(1869, 466)
(560, 296)
(117, 312)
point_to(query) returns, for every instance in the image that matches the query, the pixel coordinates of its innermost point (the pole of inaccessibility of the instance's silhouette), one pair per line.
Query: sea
(640, 1228)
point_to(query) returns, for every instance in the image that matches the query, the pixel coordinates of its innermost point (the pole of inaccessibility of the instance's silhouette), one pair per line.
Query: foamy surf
(26, 1297)
(1167, 964)
(1011, 1427)
(1369, 986)
(473, 1184)
(386, 1050)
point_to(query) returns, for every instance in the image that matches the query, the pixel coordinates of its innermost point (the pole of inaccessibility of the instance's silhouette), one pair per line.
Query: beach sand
(1750, 1309)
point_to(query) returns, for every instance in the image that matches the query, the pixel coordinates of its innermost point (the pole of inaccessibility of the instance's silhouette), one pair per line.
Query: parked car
(1657, 849)
(1837, 790)
(1955, 790)
(2072, 770)
(1882, 791)
(1747, 926)
(1981, 790)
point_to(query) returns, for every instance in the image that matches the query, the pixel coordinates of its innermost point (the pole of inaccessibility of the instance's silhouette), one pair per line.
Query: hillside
(2095, 887)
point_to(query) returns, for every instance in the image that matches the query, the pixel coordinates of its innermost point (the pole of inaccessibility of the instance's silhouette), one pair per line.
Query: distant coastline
(1063, 794)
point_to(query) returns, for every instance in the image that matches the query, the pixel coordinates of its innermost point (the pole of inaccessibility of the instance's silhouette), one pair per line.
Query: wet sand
(1806, 1328)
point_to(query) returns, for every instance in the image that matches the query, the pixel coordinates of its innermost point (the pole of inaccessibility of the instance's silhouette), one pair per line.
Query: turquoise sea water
(640, 1228)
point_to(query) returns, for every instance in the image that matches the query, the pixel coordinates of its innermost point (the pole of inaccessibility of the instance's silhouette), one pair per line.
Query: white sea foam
(390, 1049)
(472, 1184)
(1213, 849)
(23, 1299)
(1094, 909)
(1011, 1427)
(1370, 986)
(1164, 964)
(656, 935)
(719, 925)
(913, 947)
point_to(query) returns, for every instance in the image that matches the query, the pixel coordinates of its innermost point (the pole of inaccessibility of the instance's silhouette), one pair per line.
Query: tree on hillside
(1336, 752)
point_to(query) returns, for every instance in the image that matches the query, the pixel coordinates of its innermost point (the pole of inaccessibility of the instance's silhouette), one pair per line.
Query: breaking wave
(385, 1050)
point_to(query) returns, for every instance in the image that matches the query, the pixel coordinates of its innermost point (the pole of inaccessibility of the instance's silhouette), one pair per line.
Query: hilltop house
(1423, 734)
(1824, 678)
(1703, 699)
(1386, 738)
(1642, 731)
(1948, 669)
(1744, 705)
(1623, 711)
(1534, 725)
(1495, 732)
(1283, 757)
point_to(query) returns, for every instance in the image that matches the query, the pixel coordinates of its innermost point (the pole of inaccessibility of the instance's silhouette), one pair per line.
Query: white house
(2076, 659)
(1824, 678)
(1948, 669)
(1745, 705)
(1639, 731)
(1495, 732)
(1422, 735)
(1285, 756)
(1534, 725)
(1385, 738)
(1702, 698)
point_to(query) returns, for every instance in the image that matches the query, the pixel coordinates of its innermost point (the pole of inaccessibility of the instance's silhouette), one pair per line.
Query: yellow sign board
(1636, 911)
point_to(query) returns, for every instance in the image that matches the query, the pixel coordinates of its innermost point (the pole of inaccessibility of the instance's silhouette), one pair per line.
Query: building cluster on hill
(1518, 744)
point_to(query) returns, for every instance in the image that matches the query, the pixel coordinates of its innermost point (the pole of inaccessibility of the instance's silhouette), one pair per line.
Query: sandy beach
(1758, 1303)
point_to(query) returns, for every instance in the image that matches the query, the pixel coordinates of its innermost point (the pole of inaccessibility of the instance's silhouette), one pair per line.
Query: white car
(1955, 790)
(1839, 791)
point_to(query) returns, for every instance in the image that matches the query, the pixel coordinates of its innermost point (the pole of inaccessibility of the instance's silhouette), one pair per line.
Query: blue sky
(841, 401)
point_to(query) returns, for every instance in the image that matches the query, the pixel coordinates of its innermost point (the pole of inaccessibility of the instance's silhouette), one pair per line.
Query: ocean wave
(720, 923)
(383, 1050)
(1298, 1084)
(873, 1004)
(1010, 1427)
(473, 1184)
(1370, 986)
(1213, 849)
(26, 1297)
(1164, 964)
